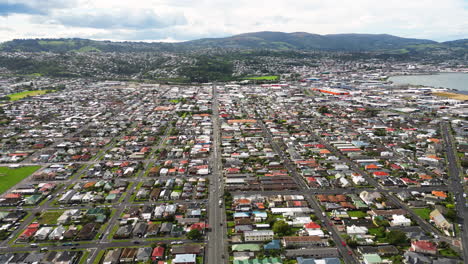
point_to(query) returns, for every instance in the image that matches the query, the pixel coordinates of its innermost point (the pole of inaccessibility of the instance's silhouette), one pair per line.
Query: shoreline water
(456, 84)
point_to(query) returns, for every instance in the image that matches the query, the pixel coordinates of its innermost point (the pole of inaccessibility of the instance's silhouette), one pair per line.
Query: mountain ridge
(272, 40)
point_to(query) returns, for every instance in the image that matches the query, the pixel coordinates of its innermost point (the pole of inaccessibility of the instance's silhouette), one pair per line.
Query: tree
(323, 110)
(281, 228)
(194, 234)
(451, 215)
(380, 132)
(397, 238)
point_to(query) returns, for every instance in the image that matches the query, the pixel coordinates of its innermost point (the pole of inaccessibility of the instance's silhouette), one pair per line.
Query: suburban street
(456, 186)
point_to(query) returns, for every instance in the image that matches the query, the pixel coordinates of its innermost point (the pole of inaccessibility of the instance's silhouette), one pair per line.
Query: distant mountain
(80, 45)
(307, 41)
(461, 43)
(258, 40)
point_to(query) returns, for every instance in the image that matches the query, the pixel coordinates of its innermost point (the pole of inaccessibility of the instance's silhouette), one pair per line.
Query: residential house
(303, 241)
(424, 246)
(258, 235)
(158, 253)
(185, 259)
(143, 254)
(440, 221)
(372, 259)
(57, 233)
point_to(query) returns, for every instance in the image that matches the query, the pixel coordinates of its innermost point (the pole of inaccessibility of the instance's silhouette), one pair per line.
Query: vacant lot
(265, 78)
(49, 218)
(423, 212)
(358, 214)
(11, 176)
(21, 95)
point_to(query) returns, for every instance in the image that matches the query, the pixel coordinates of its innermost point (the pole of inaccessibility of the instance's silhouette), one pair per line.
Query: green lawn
(99, 256)
(49, 218)
(264, 78)
(423, 212)
(11, 176)
(84, 258)
(21, 95)
(358, 214)
(448, 252)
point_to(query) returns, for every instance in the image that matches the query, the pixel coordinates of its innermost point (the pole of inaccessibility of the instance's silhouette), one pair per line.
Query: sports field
(21, 95)
(264, 78)
(11, 176)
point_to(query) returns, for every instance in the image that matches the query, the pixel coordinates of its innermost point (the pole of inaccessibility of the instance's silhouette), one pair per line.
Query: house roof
(246, 247)
(311, 225)
(185, 258)
(440, 194)
(158, 252)
(424, 245)
(372, 258)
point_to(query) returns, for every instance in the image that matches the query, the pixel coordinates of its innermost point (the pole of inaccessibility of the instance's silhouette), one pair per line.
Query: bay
(458, 81)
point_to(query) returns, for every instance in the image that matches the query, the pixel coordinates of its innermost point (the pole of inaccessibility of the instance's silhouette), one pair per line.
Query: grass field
(264, 78)
(50, 218)
(423, 212)
(21, 95)
(358, 214)
(11, 176)
(455, 96)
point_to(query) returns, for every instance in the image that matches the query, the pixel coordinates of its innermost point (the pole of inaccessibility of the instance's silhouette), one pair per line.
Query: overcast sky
(178, 20)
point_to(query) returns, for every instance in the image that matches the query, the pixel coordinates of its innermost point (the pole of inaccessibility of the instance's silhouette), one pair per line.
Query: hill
(258, 40)
(307, 41)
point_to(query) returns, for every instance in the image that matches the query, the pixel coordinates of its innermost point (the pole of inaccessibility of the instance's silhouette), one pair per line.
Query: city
(338, 167)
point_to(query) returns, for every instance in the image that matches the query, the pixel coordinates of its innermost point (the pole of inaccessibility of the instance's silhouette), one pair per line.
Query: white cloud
(187, 19)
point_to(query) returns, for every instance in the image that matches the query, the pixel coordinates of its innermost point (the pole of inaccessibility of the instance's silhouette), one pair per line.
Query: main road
(456, 184)
(216, 237)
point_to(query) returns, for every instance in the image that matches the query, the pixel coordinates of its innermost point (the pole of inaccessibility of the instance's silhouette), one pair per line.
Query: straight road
(216, 215)
(344, 250)
(456, 184)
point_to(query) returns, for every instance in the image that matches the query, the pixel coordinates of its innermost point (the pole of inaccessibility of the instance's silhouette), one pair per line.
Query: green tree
(194, 234)
(380, 132)
(281, 228)
(397, 238)
(451, 215)
(323, 109)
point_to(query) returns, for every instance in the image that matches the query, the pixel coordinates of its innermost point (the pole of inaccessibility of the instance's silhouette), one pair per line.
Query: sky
(181, 20)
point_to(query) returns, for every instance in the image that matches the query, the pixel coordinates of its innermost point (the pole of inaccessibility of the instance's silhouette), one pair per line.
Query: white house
(258, 235)
(356, 230)
(400, 220)
(57, 233)
(43, 232)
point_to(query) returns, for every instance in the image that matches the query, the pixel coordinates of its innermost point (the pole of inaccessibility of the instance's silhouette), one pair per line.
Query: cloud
(12, 8)
(188, 19)
(32, 7)
(117, 19)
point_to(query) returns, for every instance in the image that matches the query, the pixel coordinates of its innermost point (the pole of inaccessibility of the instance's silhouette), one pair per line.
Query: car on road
(44, 249)
(136, 242)
(350, 252)
(73, 248)
(173, 242)
(343, 243)
(34, 245)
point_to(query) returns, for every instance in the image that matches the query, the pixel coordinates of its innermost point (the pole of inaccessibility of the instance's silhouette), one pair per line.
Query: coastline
(450, 93)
